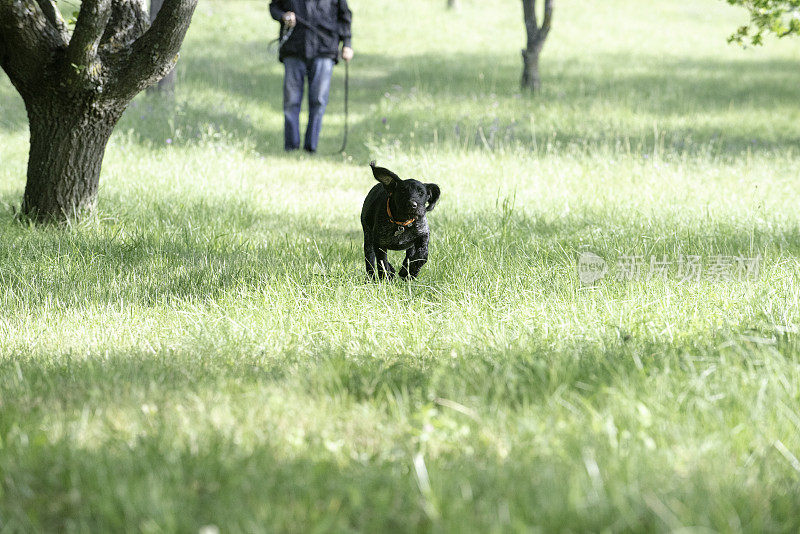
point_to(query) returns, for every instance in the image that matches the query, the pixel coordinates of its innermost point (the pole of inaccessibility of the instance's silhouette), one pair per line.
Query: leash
(276, 44)
(346, 100)
(286, 32)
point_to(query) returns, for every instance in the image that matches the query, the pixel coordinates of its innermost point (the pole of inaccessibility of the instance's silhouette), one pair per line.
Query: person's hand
(347, 53)
(289, 19)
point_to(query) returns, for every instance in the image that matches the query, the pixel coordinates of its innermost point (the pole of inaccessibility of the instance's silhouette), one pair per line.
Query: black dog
(393, 218)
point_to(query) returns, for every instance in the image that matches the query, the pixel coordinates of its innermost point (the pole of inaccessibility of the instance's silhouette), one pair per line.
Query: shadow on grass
(207, 475)
(664, 86)
(692, 102)
(219, 481)
(695, 93)
(533, 369)
(61, 487)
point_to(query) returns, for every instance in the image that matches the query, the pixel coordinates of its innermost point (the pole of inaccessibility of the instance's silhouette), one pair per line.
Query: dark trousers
(318, 71)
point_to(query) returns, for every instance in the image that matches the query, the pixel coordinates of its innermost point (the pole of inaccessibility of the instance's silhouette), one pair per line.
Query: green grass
(204, 350)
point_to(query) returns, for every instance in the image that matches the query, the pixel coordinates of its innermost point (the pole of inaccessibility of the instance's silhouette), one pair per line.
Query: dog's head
(411, 198)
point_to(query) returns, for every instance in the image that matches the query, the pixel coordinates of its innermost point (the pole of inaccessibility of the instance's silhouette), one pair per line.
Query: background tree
(76, 86)
(536, 36)
(166, 84)
(452, 4)
(781, 17)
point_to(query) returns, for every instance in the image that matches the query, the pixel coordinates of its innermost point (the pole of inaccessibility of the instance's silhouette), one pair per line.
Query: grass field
(205, 349)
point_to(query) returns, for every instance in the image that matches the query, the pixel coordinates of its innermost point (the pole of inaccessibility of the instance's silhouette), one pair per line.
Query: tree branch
(155, 53)
(92, 21)
(548, 19)
(537, 34)
(529, 16)
(27, 43)
(53, 15)
(128, 22)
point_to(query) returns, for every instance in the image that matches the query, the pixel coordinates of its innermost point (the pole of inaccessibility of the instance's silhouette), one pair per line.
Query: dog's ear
(384, 176)
(433, 196)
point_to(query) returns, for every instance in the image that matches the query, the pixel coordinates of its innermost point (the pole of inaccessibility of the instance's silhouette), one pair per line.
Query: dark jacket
(321, 25)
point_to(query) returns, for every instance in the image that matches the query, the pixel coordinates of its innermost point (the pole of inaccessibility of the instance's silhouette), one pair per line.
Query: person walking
(316, 27)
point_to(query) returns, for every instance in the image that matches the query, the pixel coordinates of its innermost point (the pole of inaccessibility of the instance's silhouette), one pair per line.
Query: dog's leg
(416, 257)
(369, 258)
(407, 260)
(385, 269)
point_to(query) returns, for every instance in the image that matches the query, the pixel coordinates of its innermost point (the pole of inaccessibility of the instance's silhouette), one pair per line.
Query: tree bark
(530, 69)
(67, 146)
(165, 85)
(536, 36)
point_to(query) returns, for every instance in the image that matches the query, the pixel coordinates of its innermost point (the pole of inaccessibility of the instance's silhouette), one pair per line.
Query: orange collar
(391, 220)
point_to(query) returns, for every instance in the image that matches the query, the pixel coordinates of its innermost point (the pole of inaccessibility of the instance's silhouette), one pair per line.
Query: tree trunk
(536, 36)
(530, 68)
(165, 85)
(66, 152)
